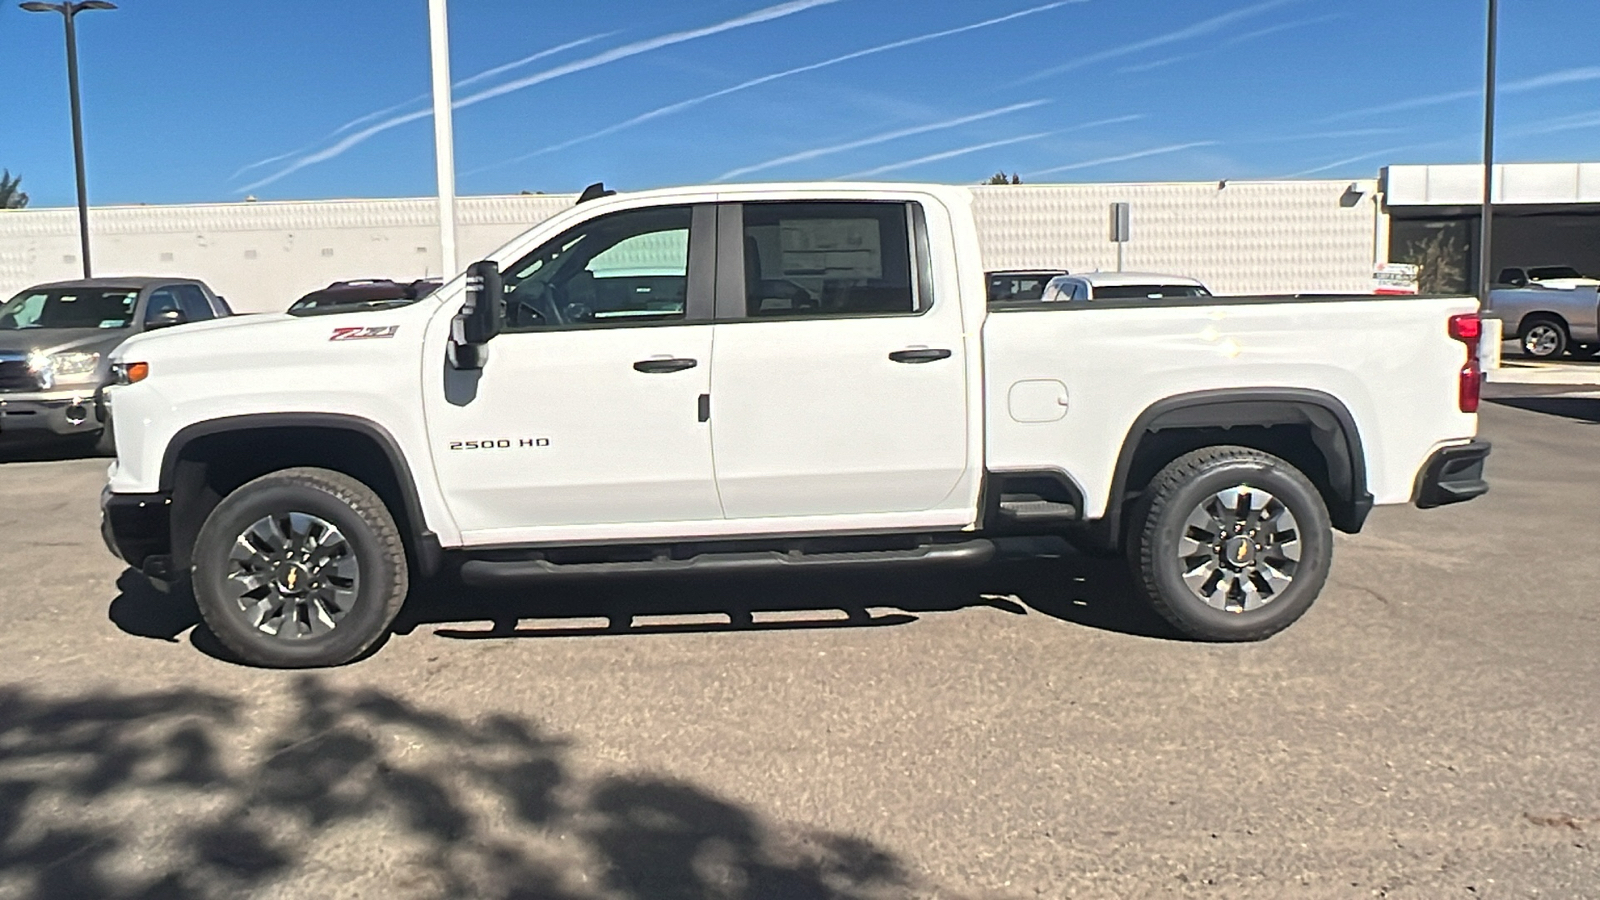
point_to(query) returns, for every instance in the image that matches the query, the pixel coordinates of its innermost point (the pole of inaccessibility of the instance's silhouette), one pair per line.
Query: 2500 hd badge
(499, 444)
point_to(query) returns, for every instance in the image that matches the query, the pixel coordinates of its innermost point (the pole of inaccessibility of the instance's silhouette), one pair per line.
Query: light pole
(69, 12)
(1486, 235)
(443, 133)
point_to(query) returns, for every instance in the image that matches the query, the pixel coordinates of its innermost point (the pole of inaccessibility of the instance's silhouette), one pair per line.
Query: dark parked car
(348, 296)
(56, 342)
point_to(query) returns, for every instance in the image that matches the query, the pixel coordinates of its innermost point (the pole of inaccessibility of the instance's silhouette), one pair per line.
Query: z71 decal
(364, 334)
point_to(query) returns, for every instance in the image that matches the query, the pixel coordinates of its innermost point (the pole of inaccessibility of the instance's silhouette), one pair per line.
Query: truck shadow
(1583, 409)
(27, 449)
(193, 793)
(1080, 590)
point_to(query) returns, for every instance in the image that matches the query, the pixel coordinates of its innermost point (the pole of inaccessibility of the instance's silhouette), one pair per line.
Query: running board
(504, 573)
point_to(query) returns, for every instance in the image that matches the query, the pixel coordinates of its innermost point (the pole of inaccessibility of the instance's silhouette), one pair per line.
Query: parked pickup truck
(779, 377)
(1547, 321)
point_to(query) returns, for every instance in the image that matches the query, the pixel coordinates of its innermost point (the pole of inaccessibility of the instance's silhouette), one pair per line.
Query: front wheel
(1231, 544)
(300, 568)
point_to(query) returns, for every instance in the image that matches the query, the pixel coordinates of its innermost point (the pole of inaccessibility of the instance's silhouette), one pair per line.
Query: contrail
(946, 155)
(1235, 40)
(884, 138)
(766, 14)
(746, 85)
(1285, 26)
(390, 110)
(1199, 29)
(1549, 79)
(1140, 154)
(1364, 156)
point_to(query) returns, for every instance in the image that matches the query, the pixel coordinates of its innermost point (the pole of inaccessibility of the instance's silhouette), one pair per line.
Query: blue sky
(200, 100)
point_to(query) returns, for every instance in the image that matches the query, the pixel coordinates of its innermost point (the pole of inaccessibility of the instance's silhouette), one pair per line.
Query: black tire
(370, 539)
(1162, 520)
(1544, 337)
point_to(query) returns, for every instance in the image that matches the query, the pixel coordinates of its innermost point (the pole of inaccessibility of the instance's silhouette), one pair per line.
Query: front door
(839, 387)
(588, 412)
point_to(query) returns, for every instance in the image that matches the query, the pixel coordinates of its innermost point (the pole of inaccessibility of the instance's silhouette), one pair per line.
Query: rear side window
(828, 258)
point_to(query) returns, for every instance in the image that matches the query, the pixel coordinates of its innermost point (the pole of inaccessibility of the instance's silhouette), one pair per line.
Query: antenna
(595, 192)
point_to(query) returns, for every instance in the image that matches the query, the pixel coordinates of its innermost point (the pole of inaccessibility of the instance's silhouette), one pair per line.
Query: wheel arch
(1542, 315)
(1171, 427)
(256, 444)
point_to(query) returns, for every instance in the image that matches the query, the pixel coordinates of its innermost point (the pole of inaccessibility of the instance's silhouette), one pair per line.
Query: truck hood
(59, 340)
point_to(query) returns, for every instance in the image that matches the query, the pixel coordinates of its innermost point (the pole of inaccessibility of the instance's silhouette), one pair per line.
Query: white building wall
(1239, 237)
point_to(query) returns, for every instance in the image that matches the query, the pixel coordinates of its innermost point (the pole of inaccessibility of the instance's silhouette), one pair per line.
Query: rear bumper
(137, 530)
(1452, 475)
(58, 412)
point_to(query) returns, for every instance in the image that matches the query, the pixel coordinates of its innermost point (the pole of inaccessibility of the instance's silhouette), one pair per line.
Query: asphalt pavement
(1430, 729)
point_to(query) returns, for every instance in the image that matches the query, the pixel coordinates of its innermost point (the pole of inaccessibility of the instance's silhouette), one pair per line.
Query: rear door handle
(665, 365)
(921, 355)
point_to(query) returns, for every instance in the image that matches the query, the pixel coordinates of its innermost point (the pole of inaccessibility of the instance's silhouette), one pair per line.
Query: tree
(11, 195)
(1002, 178)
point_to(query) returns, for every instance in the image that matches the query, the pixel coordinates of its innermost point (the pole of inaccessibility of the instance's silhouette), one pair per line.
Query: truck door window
(162, 300)
(192, 301)
(825, 258)
(627, 268)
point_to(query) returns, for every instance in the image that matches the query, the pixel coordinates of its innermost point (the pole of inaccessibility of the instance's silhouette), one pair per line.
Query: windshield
(69, 308)
(1546, 273)
(1148, 291)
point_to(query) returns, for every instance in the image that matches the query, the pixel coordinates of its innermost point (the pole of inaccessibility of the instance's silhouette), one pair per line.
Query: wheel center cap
(1239, 552)
(294, 579)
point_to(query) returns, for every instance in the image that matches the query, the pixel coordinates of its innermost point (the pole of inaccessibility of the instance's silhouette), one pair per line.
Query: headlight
(71, 366)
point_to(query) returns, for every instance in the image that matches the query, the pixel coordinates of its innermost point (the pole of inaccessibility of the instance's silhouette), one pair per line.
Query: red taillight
(1471, 389)
(1467, 329)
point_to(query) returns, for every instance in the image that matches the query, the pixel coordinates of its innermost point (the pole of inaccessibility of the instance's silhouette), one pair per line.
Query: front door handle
(665, 365)
(920, 355)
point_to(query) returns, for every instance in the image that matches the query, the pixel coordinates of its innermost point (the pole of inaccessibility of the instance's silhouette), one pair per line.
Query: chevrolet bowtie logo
(1244, 550)
(293, 576)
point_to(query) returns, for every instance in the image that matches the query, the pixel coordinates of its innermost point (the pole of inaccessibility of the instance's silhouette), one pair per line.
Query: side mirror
(165, 319)
(482, 317)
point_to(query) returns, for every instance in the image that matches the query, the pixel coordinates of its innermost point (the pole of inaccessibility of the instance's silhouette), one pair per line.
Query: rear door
(838, 383)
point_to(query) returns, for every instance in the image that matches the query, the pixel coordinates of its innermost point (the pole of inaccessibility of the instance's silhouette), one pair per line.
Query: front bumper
(1452, 475)
(55, 412)
(137, 529)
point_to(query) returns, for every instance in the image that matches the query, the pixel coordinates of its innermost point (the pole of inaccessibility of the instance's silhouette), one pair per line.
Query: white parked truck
(783, 377)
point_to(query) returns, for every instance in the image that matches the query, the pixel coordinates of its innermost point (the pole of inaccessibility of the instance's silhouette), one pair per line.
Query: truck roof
(1111, 279)
(132, 282)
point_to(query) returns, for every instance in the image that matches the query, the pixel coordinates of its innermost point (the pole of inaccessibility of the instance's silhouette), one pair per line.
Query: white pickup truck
(782, 376)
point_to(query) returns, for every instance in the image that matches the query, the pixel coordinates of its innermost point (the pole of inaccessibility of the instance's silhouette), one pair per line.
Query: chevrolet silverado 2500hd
(786, 376)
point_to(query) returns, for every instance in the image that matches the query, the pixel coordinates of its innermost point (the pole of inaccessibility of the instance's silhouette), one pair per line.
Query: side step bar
(504, 573)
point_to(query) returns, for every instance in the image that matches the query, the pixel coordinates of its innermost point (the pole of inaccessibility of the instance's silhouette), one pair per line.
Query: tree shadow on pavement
(1583, 409)
(331, 790)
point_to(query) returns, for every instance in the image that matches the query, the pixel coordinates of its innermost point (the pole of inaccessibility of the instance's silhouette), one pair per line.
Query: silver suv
(56, 342)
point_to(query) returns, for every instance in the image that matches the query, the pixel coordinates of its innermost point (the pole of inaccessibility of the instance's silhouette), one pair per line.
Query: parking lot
(1430, 729)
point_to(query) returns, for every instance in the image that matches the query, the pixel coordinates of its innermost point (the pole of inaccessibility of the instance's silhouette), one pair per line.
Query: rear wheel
(1544, 338)
(1231, 544)
(300, 568)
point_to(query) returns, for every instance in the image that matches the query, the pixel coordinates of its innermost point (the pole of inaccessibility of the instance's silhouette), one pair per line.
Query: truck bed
(1066, 382)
